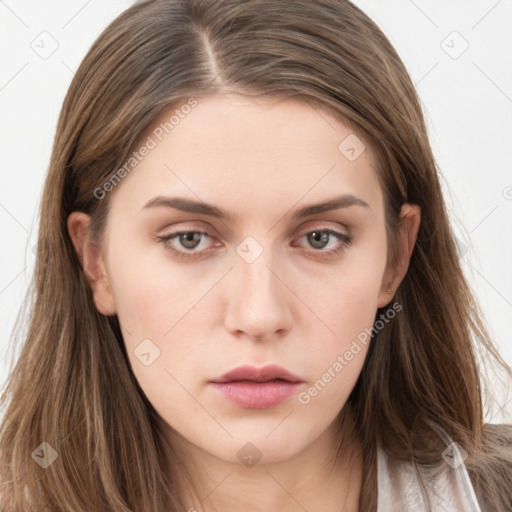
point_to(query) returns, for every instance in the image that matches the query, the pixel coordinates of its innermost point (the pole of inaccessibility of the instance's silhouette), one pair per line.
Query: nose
(258, 304)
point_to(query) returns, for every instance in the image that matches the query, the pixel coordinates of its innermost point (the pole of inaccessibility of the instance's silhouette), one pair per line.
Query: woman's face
(266, 272)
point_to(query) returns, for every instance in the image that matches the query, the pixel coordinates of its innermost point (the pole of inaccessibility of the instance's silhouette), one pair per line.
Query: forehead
(233, 148)
(246, 123)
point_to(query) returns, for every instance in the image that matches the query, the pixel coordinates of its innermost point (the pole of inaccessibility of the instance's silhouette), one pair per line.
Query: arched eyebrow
(200, 207)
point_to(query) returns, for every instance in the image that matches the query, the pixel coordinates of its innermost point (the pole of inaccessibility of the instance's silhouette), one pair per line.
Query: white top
(450, 491)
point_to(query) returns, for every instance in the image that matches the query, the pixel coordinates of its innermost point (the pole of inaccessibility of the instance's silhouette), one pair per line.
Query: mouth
(257, 388)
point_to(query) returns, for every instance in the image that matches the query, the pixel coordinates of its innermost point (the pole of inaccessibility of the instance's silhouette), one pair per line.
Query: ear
(409, 223)
(91, 259)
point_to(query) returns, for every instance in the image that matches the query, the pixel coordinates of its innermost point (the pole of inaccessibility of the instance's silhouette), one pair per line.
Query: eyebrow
(200, 207)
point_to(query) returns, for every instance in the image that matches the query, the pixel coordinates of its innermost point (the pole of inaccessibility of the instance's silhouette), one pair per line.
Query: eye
(186, 244)
(326, 241)
(191, 244)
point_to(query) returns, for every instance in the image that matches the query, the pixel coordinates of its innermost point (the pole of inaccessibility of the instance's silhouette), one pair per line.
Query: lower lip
(256, 395)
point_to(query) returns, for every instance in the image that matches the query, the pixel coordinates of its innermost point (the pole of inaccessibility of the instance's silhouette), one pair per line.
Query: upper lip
(252, 373)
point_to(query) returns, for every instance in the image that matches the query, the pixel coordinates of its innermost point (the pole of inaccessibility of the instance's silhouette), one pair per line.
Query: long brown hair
(71, 386)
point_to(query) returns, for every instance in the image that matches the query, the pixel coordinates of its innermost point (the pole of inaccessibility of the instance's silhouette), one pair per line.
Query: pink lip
(257, 388)
(264, 374)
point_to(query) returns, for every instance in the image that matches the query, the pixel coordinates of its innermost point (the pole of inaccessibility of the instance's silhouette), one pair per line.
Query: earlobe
(91, 260)
(410, 217)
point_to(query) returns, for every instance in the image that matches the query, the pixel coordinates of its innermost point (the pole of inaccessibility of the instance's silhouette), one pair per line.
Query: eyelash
(344, 239)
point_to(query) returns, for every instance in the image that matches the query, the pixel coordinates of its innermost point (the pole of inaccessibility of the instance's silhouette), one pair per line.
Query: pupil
(319, 238)
(190, 239)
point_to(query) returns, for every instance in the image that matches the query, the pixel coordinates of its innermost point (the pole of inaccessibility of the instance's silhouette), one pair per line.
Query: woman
(247, 292)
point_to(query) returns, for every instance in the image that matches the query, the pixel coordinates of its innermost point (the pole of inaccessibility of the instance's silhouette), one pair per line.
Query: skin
(260, 161)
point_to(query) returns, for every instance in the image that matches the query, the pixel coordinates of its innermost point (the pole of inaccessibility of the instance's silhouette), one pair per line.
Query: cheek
(347, 309)
(336, 361)
(161, 309)
(348, 298)
(151, 293)
(346, 303)
(159, 314)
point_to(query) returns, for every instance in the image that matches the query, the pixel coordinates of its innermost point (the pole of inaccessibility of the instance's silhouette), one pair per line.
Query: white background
(467, 101)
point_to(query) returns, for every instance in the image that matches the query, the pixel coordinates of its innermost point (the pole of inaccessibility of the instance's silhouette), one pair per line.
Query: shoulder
(491, 469)
(501, 434)
(413, 488)
(459, 483)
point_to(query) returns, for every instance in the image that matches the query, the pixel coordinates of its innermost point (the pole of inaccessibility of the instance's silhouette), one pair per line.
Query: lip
(264, 374)
(257, 388)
